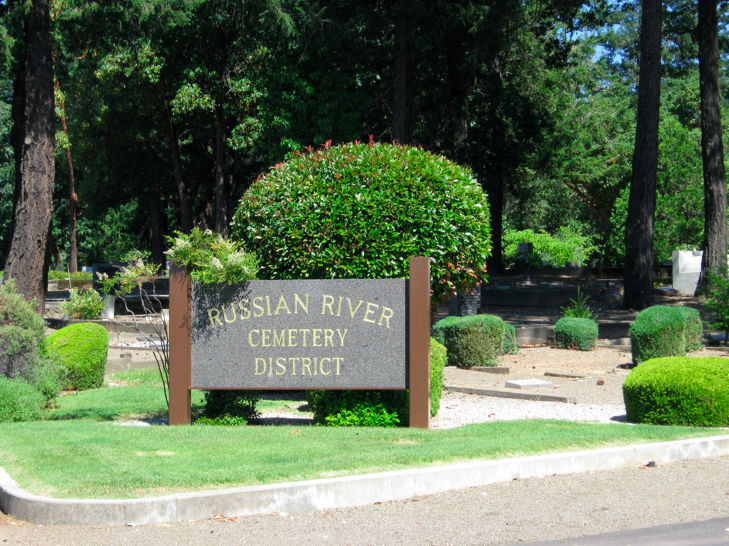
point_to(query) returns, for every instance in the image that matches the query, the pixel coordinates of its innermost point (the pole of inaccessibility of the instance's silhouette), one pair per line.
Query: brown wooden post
(419, 341)
(180, 345)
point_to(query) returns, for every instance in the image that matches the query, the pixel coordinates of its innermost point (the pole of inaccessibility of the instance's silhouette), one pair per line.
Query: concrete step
(114, 326)
(543, 333)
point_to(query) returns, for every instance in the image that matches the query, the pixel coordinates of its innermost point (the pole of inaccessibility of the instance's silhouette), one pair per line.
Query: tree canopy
(174, 108)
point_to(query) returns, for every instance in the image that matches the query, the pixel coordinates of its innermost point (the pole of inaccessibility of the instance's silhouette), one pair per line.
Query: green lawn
(80, 452)
(91, 459)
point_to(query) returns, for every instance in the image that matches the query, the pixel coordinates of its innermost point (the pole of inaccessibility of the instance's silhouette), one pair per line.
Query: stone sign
(302, 334)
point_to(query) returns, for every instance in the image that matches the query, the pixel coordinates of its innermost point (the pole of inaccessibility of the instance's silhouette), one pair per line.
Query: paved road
(553, 508)
(714, 532)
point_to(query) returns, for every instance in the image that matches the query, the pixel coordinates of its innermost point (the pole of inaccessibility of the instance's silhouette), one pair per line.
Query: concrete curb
(340, 492)
(536, 397)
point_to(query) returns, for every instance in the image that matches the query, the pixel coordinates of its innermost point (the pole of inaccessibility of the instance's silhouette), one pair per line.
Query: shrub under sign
(301, 334)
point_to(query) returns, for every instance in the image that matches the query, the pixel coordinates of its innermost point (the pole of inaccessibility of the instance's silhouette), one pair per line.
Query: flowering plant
(210, 258)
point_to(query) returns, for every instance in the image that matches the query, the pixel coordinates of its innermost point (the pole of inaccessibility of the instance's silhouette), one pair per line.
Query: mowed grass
(80, 451)
(140, 397)
(89, 459)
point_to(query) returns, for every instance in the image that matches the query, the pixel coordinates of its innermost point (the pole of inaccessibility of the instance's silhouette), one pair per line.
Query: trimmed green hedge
(82, 349)
(474, 340)
(693, 328)
(393, 402)
(438, 358)
(691, 391)
(19, 400)
(663, 330)
(575, 333)
(509, 346)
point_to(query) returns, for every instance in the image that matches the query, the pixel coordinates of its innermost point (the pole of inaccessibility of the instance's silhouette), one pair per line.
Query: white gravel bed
(458, 409)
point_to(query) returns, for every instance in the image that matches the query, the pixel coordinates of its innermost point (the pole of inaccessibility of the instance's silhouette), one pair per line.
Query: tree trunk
(34, 160)
(182, 189)
(221, 171)
(155, 229)
(712, 148)
(642, 204)
(402, 110)
(495, 190)
(72, 197)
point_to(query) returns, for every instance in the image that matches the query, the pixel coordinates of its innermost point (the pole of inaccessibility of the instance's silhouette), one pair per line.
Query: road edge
(341, 492)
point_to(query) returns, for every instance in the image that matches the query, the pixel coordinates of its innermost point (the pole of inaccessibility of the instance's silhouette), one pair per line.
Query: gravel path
(458, 409)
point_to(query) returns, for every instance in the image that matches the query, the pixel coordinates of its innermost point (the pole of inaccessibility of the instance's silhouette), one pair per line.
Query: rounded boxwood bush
(19, 400)
(693, 328)
(575, 333)
(692, 391)
(82, 349)
(658, 331)
(474, 340)
(366, 407)
(509, 345)
(360, 211)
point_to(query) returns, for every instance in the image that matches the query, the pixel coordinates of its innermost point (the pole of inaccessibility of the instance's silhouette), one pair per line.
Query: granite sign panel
(307, 334)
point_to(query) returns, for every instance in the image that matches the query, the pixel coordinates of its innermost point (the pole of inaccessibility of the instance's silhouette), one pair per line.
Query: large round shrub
(360, 211)
(82, 349)
(473, 340)
(690, 391)
(19, 400)
(663, 330)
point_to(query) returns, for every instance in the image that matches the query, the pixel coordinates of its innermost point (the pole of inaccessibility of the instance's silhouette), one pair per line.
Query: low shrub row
(663, 330)
(29, 377)
(475, 340)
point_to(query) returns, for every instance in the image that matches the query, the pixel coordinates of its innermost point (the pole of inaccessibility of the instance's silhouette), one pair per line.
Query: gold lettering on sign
(299, 303)
(294, 365)
(214, 315)
(353, 312)
(258, 309)
(294, 304)
(245, 312)
(327, 302)
(297, 337)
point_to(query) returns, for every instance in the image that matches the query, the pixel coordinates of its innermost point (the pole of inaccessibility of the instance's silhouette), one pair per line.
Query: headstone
(686, 270)
(523, 251)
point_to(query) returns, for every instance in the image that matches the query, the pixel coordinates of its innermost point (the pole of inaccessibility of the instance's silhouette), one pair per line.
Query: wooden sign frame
(418, 343)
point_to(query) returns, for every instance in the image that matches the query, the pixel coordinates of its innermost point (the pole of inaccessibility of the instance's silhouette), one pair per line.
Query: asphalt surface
(714, 532)
(556, 508)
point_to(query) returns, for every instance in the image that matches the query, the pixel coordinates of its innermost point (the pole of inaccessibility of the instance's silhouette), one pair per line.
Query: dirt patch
(588, 377)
